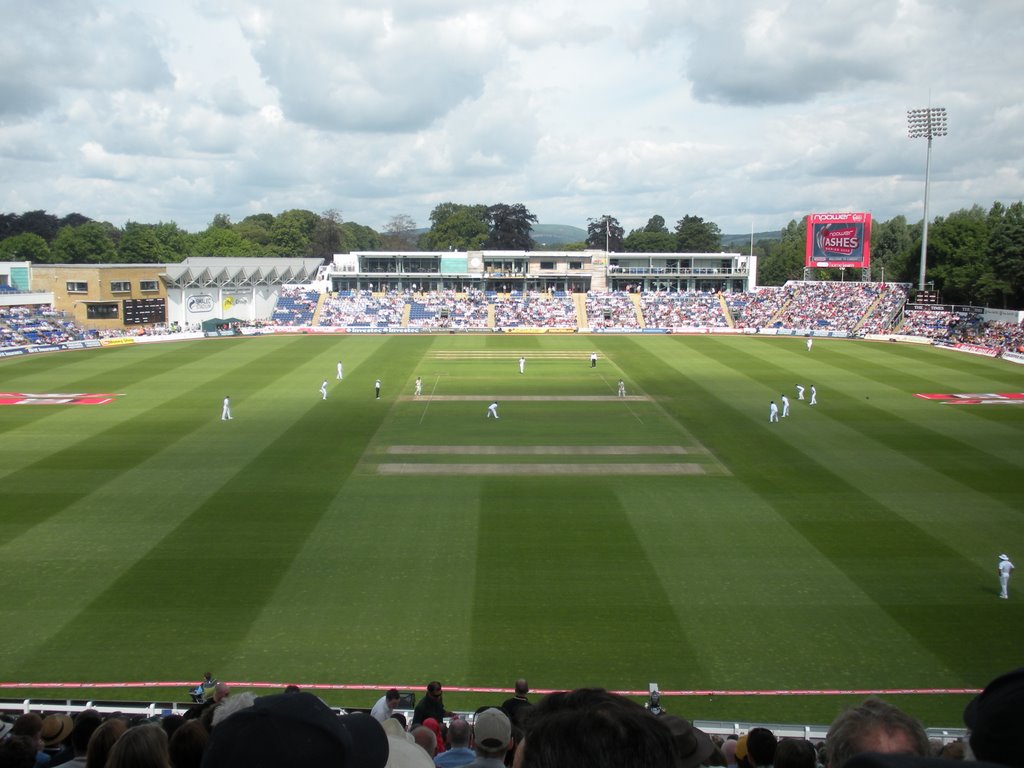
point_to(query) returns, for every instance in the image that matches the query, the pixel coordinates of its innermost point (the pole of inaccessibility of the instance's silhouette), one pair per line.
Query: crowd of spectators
(882, 314)
(295, 306)
(1006, 337)
(534, 310)
(611, 310)
(448, 309)
(683, 310)
(930, 323)
(21, 326)
(853, 308)
(757, 308)
(363, 309)
(584, 727)
(828, 306)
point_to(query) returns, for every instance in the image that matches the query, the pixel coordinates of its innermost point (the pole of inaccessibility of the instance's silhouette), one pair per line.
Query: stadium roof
(206, 271)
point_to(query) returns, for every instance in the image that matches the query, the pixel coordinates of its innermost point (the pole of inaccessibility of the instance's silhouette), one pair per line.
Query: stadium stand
(614, 309)
(683, 310)
(37, 325)
(534, 310)
(558, 723)
(295, 306)
(846, 309)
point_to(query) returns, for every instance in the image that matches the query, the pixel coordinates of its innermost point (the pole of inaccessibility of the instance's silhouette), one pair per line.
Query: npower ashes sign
(839, 240)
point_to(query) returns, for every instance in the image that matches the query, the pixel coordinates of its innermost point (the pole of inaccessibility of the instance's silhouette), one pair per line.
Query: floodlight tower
(926, 124)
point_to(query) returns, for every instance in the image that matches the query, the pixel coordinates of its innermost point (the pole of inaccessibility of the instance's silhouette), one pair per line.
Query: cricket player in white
(522, 365)
(593, 359)
(799, 392)
(376, 388)
(323, 390)
(341, 371)
(492, 410)
(810, 341)
(419, 386)
(814, 396)
(785, 406)
(1005, 569)
(773, 412)
(225, 412)
(622, 388)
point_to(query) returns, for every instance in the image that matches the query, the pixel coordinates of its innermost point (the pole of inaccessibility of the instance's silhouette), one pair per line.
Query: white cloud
(740, 112)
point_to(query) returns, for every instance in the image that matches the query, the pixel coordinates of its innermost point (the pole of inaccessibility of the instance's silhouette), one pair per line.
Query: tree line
(974, 256)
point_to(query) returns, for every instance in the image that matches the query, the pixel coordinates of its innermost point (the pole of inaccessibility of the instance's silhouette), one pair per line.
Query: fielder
(522, 365)
(225, 412)
(323, 390)
(773, 412)
(492, 410)
(785, 406)
(814, 396)
(419, 386)
(799, 392)
(622, 388)
(810, 342)
(376, 388)
(1005, 569)
(341, 371)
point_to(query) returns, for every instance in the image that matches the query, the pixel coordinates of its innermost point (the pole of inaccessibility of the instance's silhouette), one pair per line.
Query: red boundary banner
(464, 689)
(977, 398)
(52, 398)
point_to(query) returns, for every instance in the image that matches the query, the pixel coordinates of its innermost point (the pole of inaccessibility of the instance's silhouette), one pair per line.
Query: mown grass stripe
(227, 556)
(865, 540)
(559, 567)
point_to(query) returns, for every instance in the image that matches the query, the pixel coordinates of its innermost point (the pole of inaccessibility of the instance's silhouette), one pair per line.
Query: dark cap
(694, 746)
(996, 719)
(295, 729)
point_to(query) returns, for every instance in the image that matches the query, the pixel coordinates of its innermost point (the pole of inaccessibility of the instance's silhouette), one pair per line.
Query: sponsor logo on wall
(200, 303)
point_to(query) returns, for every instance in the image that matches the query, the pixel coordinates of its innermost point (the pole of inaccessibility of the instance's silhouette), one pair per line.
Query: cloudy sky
(745, 112)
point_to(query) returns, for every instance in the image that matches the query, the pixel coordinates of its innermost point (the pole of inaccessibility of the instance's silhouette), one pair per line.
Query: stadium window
(575, 265)
(101, 311)
(121, 286)
(77, 287)
(148, 285)
(547, 265)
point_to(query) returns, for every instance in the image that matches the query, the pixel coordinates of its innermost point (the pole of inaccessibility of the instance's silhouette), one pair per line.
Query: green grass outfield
(675, 536)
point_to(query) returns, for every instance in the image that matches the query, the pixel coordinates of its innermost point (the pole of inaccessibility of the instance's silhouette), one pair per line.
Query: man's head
(492, 733)
(995, 718)
(761, 747)
(392, 697)
(434, 689)
(593, 727)
(521, 687)
(29, 724)
(460, 733)
(295, 729)
(85, 724)
(874, 726)
(425, 738)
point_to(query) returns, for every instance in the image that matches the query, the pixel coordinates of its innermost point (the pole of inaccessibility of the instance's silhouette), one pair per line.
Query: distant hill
(557, 234)
(737, 242)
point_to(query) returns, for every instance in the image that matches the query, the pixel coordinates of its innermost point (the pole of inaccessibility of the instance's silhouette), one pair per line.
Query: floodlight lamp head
(926, 123)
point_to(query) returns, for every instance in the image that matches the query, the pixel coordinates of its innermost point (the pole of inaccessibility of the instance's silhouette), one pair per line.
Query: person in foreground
(873, 726)
(595, 728)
